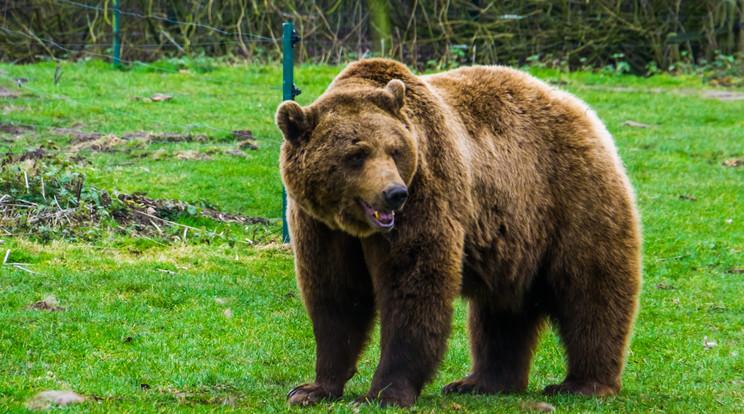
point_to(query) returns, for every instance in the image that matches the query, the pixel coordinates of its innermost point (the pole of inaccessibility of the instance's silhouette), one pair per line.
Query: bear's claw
(309, 394)
(460, 387)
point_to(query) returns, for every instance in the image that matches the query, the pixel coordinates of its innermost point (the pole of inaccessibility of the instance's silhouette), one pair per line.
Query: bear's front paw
(390, 396)
(477, 385)
(310, 394)
(591, 388)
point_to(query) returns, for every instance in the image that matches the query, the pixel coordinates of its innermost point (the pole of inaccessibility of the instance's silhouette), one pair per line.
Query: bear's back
(538, 157)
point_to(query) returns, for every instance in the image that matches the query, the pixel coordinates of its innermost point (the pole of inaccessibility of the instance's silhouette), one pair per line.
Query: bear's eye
(395, 154)
(356, 159)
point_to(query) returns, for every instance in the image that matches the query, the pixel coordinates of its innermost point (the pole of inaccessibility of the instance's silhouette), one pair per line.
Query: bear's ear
(397, 91)
(293, 121)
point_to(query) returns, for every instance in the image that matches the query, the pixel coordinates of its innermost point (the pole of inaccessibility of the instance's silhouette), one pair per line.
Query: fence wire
(425, 34)
(123, 12)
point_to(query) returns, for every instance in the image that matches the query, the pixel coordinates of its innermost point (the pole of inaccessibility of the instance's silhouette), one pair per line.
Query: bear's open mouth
(381, 219)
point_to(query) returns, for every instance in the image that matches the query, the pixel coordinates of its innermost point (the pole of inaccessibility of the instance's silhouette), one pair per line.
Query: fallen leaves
(49, 303)
(47, 399)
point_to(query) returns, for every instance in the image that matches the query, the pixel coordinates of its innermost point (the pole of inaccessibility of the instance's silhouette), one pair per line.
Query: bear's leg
(502, 344)
(594, 323)
(339, 297)
(415, 289)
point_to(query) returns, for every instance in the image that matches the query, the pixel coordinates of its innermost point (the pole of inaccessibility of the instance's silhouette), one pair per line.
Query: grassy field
(165, 324)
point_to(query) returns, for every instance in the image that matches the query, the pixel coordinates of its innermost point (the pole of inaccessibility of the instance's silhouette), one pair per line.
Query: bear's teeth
(377, 215)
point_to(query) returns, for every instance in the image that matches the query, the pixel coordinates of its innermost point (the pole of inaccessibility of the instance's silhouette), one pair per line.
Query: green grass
(146, 313)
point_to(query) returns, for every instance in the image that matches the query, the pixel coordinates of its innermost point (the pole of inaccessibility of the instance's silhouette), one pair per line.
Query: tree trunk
(379, 12)
(741, 26)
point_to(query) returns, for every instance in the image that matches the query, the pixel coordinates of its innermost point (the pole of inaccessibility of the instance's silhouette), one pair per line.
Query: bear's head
(348, 158)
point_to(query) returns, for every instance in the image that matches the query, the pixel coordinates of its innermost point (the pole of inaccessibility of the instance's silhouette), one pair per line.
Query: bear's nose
(395, 196)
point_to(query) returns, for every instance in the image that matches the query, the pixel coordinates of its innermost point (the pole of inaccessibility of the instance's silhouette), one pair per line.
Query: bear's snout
(395, 196)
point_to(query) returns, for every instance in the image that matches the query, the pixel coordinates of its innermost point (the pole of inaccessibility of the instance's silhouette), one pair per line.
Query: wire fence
(424, 34)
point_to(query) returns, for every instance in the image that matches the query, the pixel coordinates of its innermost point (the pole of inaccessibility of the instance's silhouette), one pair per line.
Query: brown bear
(405, 191)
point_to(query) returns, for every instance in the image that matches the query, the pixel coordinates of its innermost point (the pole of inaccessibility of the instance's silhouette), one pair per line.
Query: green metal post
(289, 91)
(117, 35)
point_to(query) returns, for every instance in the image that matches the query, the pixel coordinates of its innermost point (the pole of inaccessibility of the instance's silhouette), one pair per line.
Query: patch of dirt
(733, 163)
(248, 144)
(50, 303)
(36, 154)
(6, 93)
(106, 143)
(98, 142)
(150, 137)
(15, 129)
(138, 203)
(46, 399)
(134, 213)
(77, 134)
(246, 140)
(538, 406)
(236, 153)
(192, 155)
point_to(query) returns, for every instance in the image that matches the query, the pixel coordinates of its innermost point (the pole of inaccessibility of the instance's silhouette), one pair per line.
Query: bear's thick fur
(514, 197)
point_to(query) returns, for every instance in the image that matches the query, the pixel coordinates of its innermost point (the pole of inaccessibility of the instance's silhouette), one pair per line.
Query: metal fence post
(289, 91)
(117, 35)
